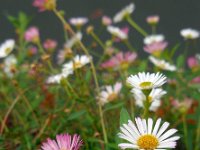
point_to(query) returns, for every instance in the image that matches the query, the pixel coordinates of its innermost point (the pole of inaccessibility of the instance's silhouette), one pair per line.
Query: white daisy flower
(189, 33)
(143, 136)
(117, 32)
(146, 81)
(71, 42)
(162, 64)
(10, 65)
(109, 93)
(155, 38)
(79, 21)
(123, 13)
(56, 79)
(6, 48)
(77, 62)
(154, 98)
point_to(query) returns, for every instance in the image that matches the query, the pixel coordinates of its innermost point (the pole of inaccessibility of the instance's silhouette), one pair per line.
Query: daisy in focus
(154, 98)
(6, 48)
(124, 13)
(189, 34)
(109, 93)
(162, 64)
(78, 62)
(146, 81)
(117, 32)
(63, 142)
(143, 135)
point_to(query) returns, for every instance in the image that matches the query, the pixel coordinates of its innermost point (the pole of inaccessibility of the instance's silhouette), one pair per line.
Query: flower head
(153, 98)
(6, 48)
(123, 13)
(63, 142)
(153, 39)
(162, 64)
(143, 136)
(189, 34)
(182, 106)
(71, 42)
(109, 93)
(77, 62)
(43, 5)
(153, 20)
(32, 34)
(79, 21)
(117, 32)
(50, 44)
(147, 80)
(193, 63)
(10, 63)
(106, 20)
(120, 61)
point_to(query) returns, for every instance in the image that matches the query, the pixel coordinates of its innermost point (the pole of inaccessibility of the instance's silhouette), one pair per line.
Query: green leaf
(180, 61)
(124, 116)
(76, 115)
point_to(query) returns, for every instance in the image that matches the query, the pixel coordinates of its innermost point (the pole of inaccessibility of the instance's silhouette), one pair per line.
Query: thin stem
(197, 136)
(128, 44)
(136, 26)
(98, 40)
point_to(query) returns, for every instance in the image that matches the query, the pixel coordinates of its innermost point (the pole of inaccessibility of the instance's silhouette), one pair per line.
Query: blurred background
(175, 15)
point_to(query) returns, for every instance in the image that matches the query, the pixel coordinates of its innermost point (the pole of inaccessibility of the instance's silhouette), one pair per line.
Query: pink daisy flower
(120, 60)
(50, 44)
(32, 34)
(43, 5)
(192, 62)
(155, 47)
(63, 142)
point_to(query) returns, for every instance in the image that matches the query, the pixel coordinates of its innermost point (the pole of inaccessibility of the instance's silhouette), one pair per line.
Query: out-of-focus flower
(6, 48)
(79, 21)
(43, 5)
(77, 62)
(182, 106)
(153, 98)
(32, 35)
(10, 66)
(120, 61)
(109, 93)
(189, 34)
(50, 44)
(145, 81)
(153, 20)
(106, 21)
(155, 44)
(124, 13)
(63, 54)
(71, 42)
(144, 136)
(63, 142)
(56, 79)
(196, 80)
(117, 32)
(153, 39)
(32, 50)
(162, 64)
(193, 63)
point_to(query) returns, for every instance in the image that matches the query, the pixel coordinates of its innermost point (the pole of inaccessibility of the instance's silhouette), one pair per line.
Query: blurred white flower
(6, 48)
(109, 93)
(79, 21)
(156, 38)
(162, 64)
(77, 62)
(147, 80)
(145, 135)
(153, 98)
(117, 32)
(189, 33)
(123, 13)
(71, 42)
(10, 65)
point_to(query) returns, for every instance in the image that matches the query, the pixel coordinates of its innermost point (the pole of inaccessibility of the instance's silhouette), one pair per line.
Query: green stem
(197, 146)
(185, 132)
(98, 40)
(128, 44)
(136, 26)
(103, 125)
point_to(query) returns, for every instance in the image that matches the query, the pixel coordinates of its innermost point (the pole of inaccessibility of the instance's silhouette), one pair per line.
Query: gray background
(175, 15)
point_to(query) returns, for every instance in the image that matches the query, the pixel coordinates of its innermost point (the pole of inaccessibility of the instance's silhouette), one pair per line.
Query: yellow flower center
(8, 50)
(77, 65)
(145, 85)
(147, 142)
(112, 97)
(124, 65)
